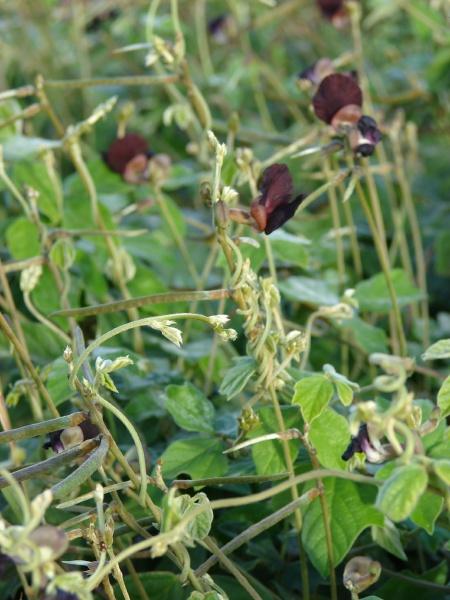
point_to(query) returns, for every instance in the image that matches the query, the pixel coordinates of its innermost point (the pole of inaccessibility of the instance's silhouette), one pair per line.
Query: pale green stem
(202, 39)
(177, 237)
(136, 439)
(257, 528)
(232, 568)
(140, 301)
(39, 317)
(228, 503)
(146, 322)
(73, 84)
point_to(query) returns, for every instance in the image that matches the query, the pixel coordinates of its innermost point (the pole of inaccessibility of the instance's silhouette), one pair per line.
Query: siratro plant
(224, 315)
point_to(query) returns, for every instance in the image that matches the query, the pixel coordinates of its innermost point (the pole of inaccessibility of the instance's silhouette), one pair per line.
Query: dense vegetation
(224, 299)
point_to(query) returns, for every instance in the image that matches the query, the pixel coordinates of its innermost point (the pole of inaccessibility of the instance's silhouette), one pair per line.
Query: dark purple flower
(317, 71)
(6, 563)
(362, 443)
(62, 595)
(220, 28)
(338, 99)
(366, 136)
(334, 10)
(129, 156)
(63, 439)
(275, 204)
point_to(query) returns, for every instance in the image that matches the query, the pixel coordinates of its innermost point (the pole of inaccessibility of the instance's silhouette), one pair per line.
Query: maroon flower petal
(124, 149)
(276, 187)
(330, 7)
(283, 213)
(335, 92)
(259, 213)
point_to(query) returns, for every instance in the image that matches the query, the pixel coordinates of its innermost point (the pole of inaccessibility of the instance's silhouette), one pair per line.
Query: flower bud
(360, 573)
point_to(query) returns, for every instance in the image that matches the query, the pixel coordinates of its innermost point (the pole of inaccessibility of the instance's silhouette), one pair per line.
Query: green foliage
(299, 340)
(197, 457)
(401, 492)
(373, 294)
(190, 409)
(237, 377)
(350, 514)
(313, 395)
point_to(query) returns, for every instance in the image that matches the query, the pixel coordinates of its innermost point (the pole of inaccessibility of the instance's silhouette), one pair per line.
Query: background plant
(204, 380)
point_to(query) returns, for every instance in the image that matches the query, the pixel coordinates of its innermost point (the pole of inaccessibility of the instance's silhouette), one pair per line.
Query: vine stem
(109, 307)
(35, 402)
(176, 236)
(202, 39)
(74, 84)
(398, 331)
(227, 503)
(416, 237)
(232, 568)
(145, 322)
(257, 528)
(136, 439)
(86, 178)
(5, 327)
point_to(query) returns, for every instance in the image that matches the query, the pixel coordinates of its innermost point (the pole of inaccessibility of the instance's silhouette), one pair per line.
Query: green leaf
(190, 408)
(329, 434)
(405, 590)
(344, 392)
(427, 511)
(9, 108)
(157, 584)
(442, 470)
(34, 174)
(237, 377)
(401, 491)
(373, 294)
(197, 457)
(269, 456)
(312, 394)
(442, 243)
(22, 239)
(57, 381)
(20, 146)
(290, 248)
(440, 349)
(443, 398)
(310, 291)
(350, 513)
(388, 537)
(369, 338)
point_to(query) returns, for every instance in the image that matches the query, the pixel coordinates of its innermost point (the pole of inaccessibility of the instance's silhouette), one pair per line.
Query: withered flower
(129, 156)
(334, 10)
(62, 595)
(360, 573)
(221, 28)
(317, 71)
(63, 439)
(275, 204)
(363, 443)
(338, 102)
